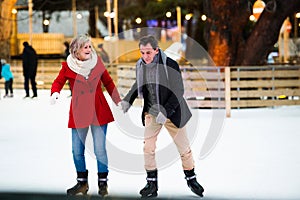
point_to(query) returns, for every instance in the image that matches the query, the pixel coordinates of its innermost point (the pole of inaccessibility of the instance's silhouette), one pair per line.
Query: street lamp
(74, 17)
(79, 16)
(203, 17)
(188, 16)
(178, 10)
(106, 14)
(296, 24)
(46, 24)
(14, 11)
(116, 21)
(168, 14)
(14, 35)
(252, 18)
(30, 5)
(108, 11)
(138, 20)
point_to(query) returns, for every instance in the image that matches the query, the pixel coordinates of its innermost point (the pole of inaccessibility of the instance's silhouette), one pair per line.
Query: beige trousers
(179, 137)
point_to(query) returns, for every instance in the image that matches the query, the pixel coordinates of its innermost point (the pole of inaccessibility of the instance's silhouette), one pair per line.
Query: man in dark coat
(30, 63)
(159, 83)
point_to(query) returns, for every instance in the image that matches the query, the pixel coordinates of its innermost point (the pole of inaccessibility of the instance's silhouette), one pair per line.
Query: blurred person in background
(103, 54)
(30, 63)
(8, 76)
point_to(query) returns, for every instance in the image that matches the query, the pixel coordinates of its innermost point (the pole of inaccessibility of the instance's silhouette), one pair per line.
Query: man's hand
(124, 106)
(161, 118)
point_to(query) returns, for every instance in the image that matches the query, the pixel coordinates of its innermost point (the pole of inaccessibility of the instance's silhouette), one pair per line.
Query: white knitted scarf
(82, 67)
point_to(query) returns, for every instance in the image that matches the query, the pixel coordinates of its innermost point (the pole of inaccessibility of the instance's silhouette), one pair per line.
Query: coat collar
(96, 72)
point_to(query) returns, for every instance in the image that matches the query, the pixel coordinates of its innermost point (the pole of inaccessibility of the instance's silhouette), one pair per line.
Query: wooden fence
(232, 87)
(46, 72)
(205, 87)
(265, 86)
(43, 43)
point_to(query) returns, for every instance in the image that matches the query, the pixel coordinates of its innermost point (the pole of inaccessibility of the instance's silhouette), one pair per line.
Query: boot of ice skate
(82, 185)
(102, 183)
(190, 177)
(151, 188)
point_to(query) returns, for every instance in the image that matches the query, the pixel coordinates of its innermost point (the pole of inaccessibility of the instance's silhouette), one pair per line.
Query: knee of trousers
(77, 154)
(100, 153)
(186, 154)
(149, 149)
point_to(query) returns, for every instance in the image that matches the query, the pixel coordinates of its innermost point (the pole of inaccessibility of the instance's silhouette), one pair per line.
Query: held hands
(124, 106)
(54, 98)
(161, 118)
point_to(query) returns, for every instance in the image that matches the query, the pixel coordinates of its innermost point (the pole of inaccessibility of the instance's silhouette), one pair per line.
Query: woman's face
(85, 52)
(148, 53)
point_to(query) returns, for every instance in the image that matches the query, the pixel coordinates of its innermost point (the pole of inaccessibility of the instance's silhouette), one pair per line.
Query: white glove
(54, 98)
(161, 118)
(125, 106)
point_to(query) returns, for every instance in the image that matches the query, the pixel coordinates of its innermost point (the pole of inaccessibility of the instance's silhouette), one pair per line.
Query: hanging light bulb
(258, 8)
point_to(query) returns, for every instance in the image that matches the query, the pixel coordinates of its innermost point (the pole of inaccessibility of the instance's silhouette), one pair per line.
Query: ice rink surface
(255, 154)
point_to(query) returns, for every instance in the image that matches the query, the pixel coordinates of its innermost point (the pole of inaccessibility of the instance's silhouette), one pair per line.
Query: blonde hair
(78, 42)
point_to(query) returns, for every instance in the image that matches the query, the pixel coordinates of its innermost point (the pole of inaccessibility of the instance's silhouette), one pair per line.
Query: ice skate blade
(153, 195)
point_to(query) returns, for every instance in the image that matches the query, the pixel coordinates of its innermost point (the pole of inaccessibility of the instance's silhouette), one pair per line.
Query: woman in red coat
(89, 109)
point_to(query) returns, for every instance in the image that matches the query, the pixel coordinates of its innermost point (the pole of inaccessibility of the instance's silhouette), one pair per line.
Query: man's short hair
(149, 39)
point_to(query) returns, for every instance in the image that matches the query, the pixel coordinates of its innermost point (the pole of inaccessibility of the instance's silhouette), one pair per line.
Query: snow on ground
(256, 156)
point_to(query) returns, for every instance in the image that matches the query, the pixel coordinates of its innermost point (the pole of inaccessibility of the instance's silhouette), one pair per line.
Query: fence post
(227, 92)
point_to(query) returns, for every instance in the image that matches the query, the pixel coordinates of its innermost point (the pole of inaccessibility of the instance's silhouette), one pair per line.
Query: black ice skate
(190, 177)
(151, 188)
(102, 184)
(82, 185)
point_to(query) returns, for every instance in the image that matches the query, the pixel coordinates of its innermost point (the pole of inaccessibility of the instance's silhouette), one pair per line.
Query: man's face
(148, 53)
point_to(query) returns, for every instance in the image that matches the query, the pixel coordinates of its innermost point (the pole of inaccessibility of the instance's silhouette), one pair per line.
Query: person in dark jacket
(159, 83)
(30, 63)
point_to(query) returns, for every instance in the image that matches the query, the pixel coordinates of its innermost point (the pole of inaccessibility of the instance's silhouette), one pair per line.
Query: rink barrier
(47, 71)
(205, 87)
(43, 43)
(231, 87)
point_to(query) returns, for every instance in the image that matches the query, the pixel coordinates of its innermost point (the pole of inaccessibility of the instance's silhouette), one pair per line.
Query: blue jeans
(99, 141)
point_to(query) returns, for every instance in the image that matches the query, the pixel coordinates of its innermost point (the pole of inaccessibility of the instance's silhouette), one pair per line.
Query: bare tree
(6, 7)
(230, 42)
(265, 33)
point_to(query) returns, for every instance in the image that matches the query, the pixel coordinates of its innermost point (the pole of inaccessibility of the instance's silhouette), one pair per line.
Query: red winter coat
(88, 104)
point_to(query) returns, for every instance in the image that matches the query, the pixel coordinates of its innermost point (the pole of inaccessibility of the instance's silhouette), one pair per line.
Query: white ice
(257, 155)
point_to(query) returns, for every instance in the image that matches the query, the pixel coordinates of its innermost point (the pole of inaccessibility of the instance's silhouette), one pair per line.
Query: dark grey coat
(30, 61)
(170, 91)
